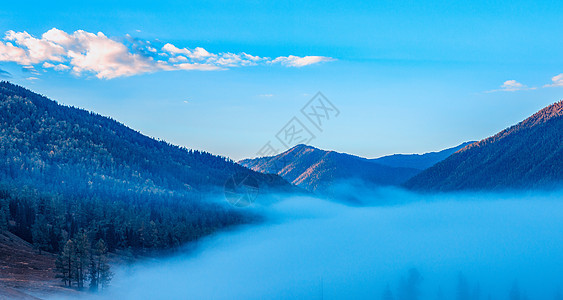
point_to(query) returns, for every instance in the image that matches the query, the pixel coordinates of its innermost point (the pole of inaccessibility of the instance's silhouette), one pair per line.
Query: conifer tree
(40, 234)
(82, 258)
(387, 294)
(99, 272)
(64, 265)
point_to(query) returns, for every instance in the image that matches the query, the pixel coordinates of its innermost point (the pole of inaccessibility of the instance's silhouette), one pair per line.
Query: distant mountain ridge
(419, 161)
(526, 155)
(315, 169)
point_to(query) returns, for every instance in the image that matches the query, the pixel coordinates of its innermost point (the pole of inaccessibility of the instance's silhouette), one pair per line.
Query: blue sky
(407, 76)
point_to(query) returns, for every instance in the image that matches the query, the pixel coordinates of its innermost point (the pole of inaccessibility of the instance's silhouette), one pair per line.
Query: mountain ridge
(315, 169)
(65, 171)
(525, 155)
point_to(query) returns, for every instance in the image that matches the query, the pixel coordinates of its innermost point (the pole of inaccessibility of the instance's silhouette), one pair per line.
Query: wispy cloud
(296, 61)
(84, 53)
(511, 86)
(556, 81)
(266, 95)
(5, 74)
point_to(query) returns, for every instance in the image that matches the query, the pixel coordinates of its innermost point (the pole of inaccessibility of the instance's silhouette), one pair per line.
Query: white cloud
(36, 50)
(511, 86)
(9, 52)
(105, 57)
(59, 67)
(296, 61)
(557, 80)
(83, 53)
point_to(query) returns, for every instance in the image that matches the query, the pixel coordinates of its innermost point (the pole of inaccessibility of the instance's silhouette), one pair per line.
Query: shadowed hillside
(64, 171)
(526, 155)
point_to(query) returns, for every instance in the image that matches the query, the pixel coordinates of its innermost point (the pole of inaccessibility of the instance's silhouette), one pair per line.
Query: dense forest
(66, 172)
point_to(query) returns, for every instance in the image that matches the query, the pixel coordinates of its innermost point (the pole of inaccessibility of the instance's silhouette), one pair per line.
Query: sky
(232, 77)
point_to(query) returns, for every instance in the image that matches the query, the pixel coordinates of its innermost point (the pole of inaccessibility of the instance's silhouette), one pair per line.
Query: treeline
(80, 261)
(139, 221)
(409, 288)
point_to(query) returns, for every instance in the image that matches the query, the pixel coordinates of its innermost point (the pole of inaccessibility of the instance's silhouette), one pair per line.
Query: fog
(311, 248)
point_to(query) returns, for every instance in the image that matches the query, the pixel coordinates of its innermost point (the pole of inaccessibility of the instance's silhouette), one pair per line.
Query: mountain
(418, 161)
(43, 142)
(526, 155)
(65, 170)
(315, 169)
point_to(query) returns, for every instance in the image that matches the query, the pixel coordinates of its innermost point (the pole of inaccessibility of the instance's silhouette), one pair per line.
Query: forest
(67, 175)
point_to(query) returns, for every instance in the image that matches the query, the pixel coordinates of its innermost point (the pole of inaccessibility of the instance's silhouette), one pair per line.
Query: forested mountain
(315, 169)
(526, 155)
(65, 171)
(418, 161)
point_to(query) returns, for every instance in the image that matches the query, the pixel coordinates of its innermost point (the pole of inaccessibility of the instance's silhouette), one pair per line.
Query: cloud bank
(313, 249)
(84, 53)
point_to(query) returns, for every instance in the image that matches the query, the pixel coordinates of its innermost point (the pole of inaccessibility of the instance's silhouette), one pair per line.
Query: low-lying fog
(462, 247)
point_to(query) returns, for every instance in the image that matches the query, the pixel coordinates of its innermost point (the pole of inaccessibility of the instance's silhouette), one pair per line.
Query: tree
(64, 265)
(462, 288)
(82, 258)
(3, 219)
(476, 294)
(387, 294)
(409, 287)
(99, 272)
(515, 291)
(40, 234)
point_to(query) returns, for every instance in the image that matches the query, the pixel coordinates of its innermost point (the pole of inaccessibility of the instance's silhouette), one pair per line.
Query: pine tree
(409, 287)
(64, 265)
(3, 219)
(476, 294)
(99, 272)
(82, 258)
(462, 288)
(387, 294)
(103, 265)
(40, 234)
(515, 291)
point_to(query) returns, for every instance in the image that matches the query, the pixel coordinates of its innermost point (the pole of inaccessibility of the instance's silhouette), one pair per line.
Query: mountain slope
(64, 171)
(315, 169)
(43, 142)
(526, 155)
(418, 161)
